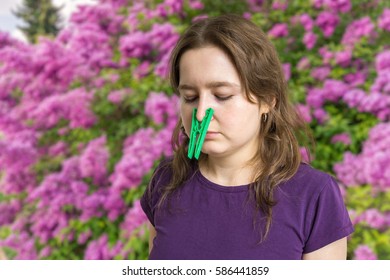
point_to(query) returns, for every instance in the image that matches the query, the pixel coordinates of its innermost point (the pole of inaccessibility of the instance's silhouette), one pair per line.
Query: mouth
(211, 135)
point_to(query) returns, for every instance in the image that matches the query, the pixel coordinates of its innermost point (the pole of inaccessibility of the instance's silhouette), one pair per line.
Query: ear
(273, 103)
(265, 107)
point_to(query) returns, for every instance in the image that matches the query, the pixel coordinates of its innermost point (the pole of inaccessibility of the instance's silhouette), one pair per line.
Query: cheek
(249, 118)
(186, 117)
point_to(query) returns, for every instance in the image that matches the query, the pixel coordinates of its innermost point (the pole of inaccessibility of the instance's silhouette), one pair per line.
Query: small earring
(264, 117)
(183, 130)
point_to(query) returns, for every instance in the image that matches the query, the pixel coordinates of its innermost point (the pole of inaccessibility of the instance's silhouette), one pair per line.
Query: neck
(227, 172)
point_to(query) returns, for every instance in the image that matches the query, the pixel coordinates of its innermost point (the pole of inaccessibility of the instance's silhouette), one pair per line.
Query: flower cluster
(372, 166)
(84, 116)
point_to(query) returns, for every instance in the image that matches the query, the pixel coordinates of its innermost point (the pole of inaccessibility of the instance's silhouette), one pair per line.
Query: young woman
(249, 196)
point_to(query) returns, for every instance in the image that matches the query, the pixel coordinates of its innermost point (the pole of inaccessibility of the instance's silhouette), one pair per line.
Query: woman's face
(208, 79)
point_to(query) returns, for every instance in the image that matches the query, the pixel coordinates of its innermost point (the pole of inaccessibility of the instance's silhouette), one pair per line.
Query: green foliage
(41, 18)
(218, 7)
(360, 199)
(341, 120)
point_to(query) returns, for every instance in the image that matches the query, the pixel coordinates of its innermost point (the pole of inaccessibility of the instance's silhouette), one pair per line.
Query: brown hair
(261, 75)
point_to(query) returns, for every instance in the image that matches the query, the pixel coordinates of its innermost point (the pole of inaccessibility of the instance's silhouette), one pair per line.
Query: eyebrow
(209, 85)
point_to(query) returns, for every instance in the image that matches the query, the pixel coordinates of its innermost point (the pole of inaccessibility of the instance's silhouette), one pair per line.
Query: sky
(9, 23)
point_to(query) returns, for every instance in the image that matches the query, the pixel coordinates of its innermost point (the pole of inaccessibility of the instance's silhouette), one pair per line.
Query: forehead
(206, 65)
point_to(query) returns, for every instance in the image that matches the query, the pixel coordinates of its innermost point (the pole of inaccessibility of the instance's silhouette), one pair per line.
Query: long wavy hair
(257, 63)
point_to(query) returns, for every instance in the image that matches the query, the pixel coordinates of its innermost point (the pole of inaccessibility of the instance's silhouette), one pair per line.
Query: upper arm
(152, 235)
(333, 251)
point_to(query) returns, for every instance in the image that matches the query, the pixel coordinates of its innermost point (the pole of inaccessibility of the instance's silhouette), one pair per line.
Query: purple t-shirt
(205, 220)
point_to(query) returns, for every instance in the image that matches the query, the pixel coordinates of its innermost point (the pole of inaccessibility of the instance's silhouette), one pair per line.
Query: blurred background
(86, 113)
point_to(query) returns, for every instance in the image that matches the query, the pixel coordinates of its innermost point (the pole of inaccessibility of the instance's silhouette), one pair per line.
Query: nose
(202, 107)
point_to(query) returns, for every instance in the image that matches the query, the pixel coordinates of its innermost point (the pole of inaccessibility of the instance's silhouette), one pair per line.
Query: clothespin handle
(198, 132)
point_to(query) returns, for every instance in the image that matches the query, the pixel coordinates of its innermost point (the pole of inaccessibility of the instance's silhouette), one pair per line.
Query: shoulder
(308, 182)
(160, 178)
(162, 174)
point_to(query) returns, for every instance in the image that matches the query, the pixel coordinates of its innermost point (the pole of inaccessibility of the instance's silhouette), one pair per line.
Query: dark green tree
(41, 17)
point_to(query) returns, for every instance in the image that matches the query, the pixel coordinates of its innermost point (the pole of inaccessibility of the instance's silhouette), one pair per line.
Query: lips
(211, 135)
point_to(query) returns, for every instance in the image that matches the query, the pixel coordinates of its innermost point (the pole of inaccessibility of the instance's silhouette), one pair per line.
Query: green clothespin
(198, 132)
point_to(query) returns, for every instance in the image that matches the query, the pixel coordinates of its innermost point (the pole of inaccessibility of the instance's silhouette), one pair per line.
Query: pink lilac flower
(354, 216)
(334, 89)
(163, 37)
(374, 218)
(326, 55)
(9, 211)
(23, 244)
(135, 45)
(142, 70)
(303, 63)
(162, 68)
(309, 39)
(279, 5)
(357, 29)
(304, 112)
(318, 3)
(18, 152)
(146, 146)
(304, 154)
(73, 106)
(382, 83)
(104, 15)
(315, 97)
(58, 149)
(321, 115)
(320, 73)
(343, 58)
(363, 252)
(116, 3)
(140, 152)
(199, 18)
(134, 218)
(94, 49)
(159, 107)
(344, 138)
(196, 5)
(114, 205)
(355, 79)
(327, 22)
(279, 30)
(371, 166)
(375, 102)
(83, 237)
(117, 96)
(100, 249)
(287, 70)
(16, 181)
(45, 252)
(387, 217)
(255, 5)
(384, 20)
(342, 6)
(40, 71)
(173, 7)
(247, 15)
(93, 161)
(382, 61)
(92, 205)
(307, 22)
(6, 40)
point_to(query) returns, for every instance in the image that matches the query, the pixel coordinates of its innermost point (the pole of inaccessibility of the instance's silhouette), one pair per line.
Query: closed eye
(218, 97)
(223, 98)
(190, 99)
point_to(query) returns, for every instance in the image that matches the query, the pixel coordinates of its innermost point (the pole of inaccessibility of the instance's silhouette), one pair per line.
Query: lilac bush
(86, 116)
